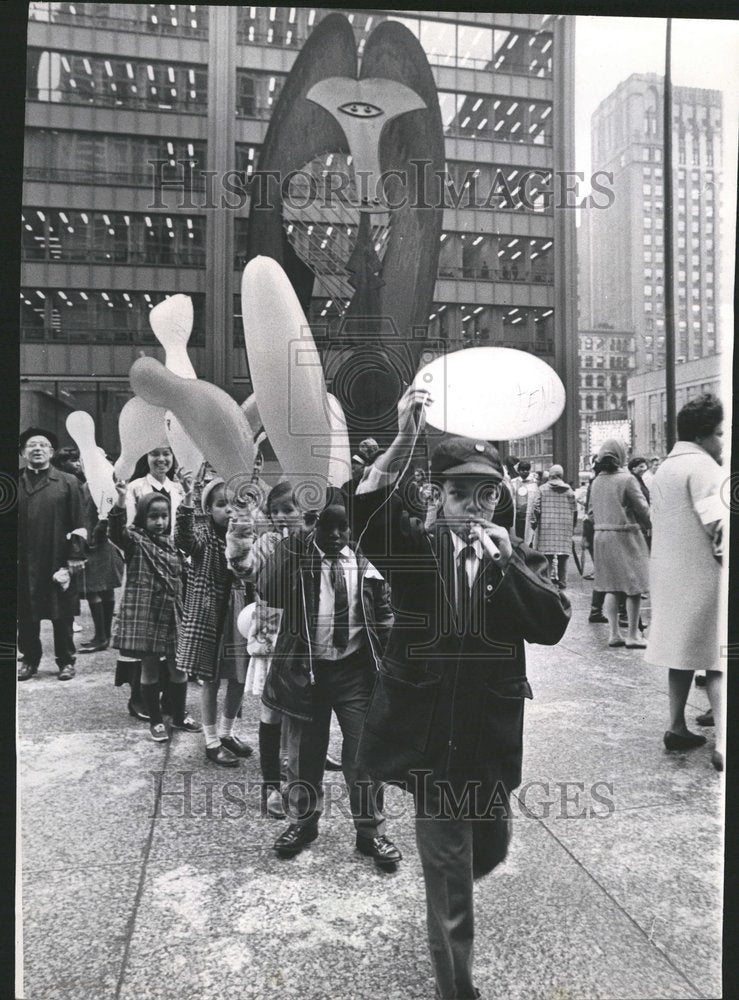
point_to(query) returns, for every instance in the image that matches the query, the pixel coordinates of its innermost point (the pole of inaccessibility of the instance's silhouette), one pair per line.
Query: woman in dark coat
(620, 517)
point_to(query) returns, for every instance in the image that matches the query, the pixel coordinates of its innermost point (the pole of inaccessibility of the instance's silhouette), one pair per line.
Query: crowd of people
(369, 608)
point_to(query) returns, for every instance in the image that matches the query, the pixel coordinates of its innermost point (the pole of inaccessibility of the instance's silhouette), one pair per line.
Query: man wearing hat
(51, 540)
(446, 715)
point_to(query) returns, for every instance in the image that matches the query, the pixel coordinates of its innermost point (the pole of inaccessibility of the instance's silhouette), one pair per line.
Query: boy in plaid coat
(151, 606)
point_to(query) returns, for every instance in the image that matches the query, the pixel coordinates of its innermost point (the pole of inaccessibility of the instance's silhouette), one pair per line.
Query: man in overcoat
(446, 715)
(51, 538)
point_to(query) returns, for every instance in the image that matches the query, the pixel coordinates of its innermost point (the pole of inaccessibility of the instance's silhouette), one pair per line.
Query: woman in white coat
(685, 569)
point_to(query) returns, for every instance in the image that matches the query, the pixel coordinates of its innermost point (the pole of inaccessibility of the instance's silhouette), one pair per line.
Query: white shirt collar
(460, 544)
(345, 552)
(156, 485)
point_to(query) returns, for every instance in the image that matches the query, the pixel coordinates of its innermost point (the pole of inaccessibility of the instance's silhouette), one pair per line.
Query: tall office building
(622, 246)
(136, 113)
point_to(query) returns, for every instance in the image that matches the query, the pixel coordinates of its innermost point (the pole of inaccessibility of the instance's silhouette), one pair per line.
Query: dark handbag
(588, 532)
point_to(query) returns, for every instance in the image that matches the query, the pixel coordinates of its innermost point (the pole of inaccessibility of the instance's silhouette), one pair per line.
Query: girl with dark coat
(151, 606)
(207, 646)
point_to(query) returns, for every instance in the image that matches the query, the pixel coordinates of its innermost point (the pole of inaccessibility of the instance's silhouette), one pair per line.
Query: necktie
(463, 584)
(341, 605)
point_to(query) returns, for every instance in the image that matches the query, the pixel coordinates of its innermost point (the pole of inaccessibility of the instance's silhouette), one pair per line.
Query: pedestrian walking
(446, 715)
(151, 606)
(336, 618)
(685, 568)
(208, 647)
(553, 517)
(620, 516)
(51, 539)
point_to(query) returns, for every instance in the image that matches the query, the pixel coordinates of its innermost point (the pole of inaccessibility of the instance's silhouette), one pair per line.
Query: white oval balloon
(494, 393)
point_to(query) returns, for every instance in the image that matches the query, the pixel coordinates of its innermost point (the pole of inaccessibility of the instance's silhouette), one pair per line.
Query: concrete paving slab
(84, 799)
(75, 929)
(663, 871)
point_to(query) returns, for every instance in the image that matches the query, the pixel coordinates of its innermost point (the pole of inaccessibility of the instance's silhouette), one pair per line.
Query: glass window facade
(471, 325)
(496, 258)
(190, 20)
(84, 316)
(113, 237)
(100, 158)
(501, 188)
(505, 119)
(257, 92)
(78, 78)
(446, 43)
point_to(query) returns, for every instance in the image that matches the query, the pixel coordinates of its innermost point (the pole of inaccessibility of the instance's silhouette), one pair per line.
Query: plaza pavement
(611, 888)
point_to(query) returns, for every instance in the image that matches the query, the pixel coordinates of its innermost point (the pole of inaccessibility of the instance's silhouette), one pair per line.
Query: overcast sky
(705, 53)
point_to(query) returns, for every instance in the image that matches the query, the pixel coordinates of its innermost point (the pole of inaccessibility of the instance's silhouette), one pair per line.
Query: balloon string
(396, 484)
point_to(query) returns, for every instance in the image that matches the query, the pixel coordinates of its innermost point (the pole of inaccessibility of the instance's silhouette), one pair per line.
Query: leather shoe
(380, 848)
(706, 719)
(236, 746)
(294, 839)
(67, 673)
(94, 647)
(26, 671)
(674, 741)
(332, 764)
(597, 618)
(136, 712)
(220, 755)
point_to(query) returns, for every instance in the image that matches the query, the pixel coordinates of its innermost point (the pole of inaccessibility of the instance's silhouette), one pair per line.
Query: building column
(219, 237)
(565, 431)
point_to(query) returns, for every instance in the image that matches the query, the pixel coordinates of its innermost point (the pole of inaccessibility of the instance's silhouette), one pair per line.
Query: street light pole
(667, 178)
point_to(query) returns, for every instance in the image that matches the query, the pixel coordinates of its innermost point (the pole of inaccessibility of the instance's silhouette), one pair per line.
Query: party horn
(98, 470)
(171, 321)
(209, 415)
(287, 375)
(140, 430)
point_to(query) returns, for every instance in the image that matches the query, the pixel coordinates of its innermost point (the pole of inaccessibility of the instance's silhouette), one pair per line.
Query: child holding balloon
(259, 625)
(151, 606)
(206, 647)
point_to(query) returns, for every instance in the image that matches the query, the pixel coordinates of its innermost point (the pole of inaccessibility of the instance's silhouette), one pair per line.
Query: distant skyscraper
(622, 247)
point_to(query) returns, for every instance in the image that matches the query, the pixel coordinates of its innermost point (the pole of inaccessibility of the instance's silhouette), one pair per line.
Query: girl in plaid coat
(151, 606)
(208, 645)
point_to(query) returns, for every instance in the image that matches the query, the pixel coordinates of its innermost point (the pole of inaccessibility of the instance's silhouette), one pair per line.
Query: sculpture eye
(359, 110)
